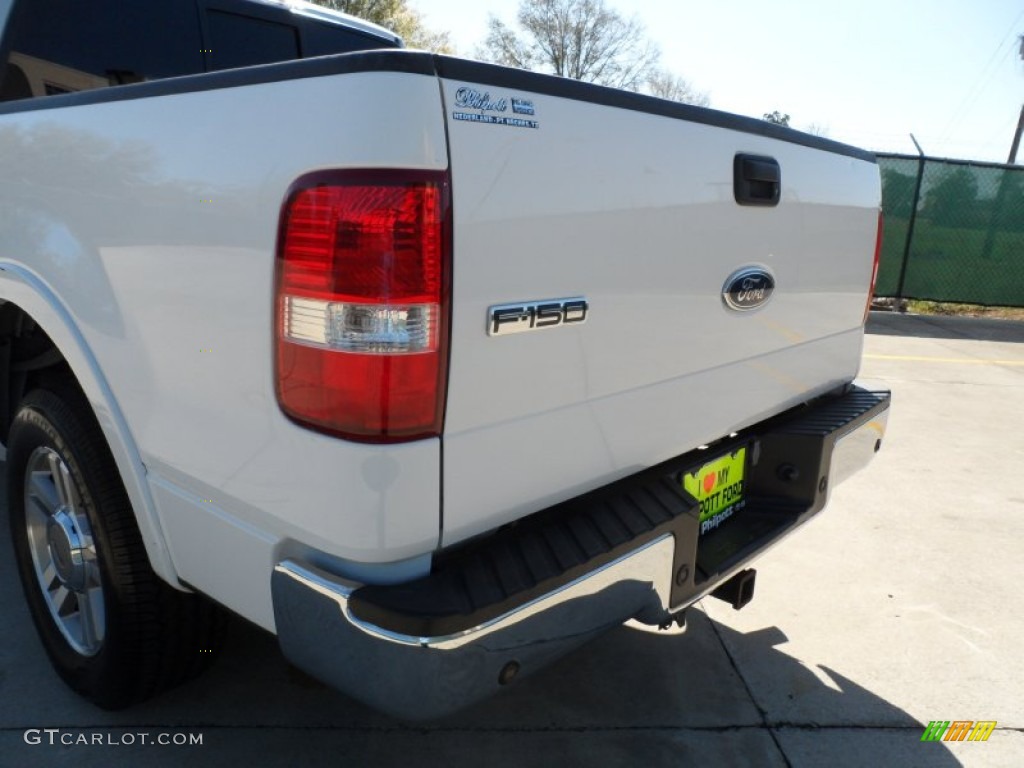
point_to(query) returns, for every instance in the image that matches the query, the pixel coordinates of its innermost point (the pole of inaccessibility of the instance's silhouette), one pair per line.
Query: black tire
(136, 636)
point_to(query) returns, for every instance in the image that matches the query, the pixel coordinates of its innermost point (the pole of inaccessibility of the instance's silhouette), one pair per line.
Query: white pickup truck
(435, 369)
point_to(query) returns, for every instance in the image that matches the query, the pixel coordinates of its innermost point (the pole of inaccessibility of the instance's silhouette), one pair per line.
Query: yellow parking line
(960, 360)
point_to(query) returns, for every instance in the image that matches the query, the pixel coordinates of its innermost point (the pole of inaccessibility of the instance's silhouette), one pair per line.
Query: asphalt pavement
(900, 605)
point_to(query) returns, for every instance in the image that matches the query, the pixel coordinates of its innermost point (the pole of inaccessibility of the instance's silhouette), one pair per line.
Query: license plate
(718, 487)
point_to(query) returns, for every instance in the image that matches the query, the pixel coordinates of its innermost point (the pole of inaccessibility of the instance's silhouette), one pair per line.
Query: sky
(869, 73)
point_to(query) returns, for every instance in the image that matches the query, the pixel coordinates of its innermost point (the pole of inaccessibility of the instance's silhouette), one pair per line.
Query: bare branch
(581, 39)
(666, 85)
(502, 46)
(395, 15)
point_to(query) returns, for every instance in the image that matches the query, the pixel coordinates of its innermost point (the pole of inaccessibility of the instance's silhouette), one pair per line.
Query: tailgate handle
(757, 180)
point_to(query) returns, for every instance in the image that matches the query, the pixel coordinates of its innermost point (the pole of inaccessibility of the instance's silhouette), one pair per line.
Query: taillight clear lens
(361, 303)
(874, 267)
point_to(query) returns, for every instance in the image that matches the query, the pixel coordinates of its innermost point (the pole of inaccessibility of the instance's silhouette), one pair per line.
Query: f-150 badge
(748, 288)
(505, 319)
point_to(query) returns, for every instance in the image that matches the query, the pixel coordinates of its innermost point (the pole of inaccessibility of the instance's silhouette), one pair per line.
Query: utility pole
(998, 216)
(1020, 121)
(1016, 138)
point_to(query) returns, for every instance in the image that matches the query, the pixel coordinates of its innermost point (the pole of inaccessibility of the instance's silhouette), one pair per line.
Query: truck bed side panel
(155, 220)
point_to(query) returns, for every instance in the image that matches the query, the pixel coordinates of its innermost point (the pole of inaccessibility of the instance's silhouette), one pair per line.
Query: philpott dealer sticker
(477, 106)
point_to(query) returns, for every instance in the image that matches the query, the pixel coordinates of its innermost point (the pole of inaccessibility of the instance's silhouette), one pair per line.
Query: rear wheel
(114, 631)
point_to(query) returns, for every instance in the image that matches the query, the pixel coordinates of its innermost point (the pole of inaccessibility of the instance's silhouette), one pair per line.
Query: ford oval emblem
(749, 288)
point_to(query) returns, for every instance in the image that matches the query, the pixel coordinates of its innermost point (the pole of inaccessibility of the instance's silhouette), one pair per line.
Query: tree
(581, 39)
(395, 15)
(777, 117)
(665, 85)
(897, 193)
(1009, 202)
(952, 199)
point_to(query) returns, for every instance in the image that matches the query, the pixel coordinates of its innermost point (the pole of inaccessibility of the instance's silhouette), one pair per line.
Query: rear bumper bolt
(508, 673)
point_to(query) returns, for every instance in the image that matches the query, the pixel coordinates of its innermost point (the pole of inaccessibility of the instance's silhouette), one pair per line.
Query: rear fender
(25, 289)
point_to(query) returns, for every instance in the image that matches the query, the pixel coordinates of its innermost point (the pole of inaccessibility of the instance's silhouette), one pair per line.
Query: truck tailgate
(563, 190)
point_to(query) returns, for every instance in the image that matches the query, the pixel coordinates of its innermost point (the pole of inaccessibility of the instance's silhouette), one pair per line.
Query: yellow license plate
(718, 487)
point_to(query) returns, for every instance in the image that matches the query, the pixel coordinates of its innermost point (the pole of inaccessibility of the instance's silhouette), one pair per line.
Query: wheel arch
(28, 359)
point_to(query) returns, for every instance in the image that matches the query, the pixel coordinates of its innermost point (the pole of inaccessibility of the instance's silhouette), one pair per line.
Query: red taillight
(361, 304)
(874, 267)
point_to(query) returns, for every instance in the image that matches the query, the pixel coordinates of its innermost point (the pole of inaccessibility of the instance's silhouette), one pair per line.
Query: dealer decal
(475, 106)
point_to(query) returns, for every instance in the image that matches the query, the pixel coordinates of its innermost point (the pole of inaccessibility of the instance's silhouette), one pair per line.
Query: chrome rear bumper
(427, 648)
(424, 677)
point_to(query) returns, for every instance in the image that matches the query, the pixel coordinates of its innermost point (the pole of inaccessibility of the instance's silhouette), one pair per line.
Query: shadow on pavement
(942, 327)
(820, 717)
(707, 697)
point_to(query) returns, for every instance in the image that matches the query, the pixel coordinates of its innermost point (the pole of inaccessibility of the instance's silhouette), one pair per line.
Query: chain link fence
(954, 231)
